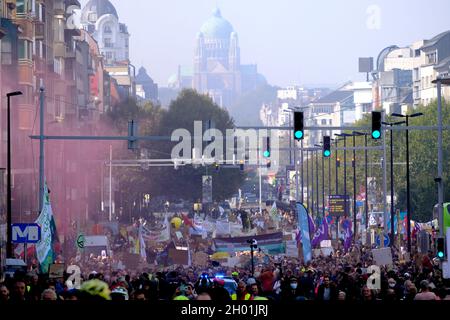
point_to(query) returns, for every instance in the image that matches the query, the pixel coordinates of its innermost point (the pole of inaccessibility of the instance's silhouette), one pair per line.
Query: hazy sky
(292, 41)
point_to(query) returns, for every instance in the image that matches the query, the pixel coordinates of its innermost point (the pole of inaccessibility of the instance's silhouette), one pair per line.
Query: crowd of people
(325, 278)
(344, 275)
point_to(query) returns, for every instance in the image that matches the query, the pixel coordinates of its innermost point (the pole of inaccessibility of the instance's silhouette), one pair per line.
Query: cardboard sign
(200, 259)
(56, 271)
(382, 257)
(291, 249)
(180, 257)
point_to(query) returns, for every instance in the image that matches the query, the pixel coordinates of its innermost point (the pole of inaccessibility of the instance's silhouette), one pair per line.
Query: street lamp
(408, 190)
(366, 202)
(253, 245)
(9, 253)
(392, 176)
(323, 183)
(439, 82)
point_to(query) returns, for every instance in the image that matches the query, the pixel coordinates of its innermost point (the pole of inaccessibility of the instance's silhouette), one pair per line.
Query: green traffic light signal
(376, 134)
(299, 134)
(327, 153)
(440, 255)
(267, 154)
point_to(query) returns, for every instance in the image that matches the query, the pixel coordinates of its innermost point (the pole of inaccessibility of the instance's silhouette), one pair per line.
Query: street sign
(337, 205)
(26, 233)
(80, 241)
(387, 241)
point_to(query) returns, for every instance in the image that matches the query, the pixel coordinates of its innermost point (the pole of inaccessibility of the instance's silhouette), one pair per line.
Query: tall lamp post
(366, 203)
(9, 253)
(323, 183)
(392, 176)
(439, 82)
(408, 188)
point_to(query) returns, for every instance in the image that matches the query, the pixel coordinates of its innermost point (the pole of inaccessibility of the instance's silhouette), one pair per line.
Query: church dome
(217, 27)
(94, 9)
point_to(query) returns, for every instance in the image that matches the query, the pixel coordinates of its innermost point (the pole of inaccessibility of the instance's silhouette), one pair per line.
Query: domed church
(217, 63)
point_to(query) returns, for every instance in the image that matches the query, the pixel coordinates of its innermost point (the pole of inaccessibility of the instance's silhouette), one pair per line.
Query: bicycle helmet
(96, 289)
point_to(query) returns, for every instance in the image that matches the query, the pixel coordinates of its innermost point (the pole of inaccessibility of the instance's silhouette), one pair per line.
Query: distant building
(100, 18)
(217, 69)
(404, 75)
(146, 88)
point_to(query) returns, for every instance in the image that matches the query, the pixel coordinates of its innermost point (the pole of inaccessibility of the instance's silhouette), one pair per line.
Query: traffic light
(326, 146)
(217, 166)
(298, 126)
(133, 131)
(241, 165)
(376, 125)
(338, 162)
(440, 248)
(266, 152)
(269, 163)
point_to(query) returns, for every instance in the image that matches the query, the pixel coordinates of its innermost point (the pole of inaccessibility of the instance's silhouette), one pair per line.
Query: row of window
(31, 7)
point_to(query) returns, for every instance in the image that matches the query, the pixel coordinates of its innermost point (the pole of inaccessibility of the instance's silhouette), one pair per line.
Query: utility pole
(110, 182)
(303, 159)
(41, 147)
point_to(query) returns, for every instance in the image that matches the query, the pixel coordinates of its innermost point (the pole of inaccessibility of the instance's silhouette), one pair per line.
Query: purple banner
(347, 225)
(320, 234)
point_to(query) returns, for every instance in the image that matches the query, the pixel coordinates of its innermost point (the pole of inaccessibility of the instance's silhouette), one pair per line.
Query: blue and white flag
(303, 226)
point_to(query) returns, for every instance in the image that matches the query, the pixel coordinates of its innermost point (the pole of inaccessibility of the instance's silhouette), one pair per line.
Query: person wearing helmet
(95, 290)
(182, 298)
(235, 276)
(119, 294)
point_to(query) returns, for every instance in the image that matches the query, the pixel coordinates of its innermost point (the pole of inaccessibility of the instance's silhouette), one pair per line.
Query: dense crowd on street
(334, 277)
(341, 275)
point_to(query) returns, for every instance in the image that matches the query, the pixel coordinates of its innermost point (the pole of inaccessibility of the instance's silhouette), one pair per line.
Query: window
(25, 49)
(417, 53)
(92, 17)
(109, 55)
(57, 66)
(324, 122)
(108, 43)
(6, 51)
(107, 29)
(20, 6)
(59, 107)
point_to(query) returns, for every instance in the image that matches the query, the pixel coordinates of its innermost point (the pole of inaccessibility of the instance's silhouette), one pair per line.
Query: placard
(382, 257)
(56, 271)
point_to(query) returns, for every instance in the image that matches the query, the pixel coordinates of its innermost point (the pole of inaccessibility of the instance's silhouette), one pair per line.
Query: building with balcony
(100, 19)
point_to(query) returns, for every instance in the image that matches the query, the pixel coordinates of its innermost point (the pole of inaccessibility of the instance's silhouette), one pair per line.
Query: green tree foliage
(186, 181)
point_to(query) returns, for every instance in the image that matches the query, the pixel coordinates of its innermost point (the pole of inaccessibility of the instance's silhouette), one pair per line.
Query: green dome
(217, 27)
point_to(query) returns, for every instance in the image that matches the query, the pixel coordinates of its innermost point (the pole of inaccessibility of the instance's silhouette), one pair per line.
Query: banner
(347, 226)
(142, 247)
(44, 248)
(223, 228)
(304, 225)
(320, 234)
(270, 243)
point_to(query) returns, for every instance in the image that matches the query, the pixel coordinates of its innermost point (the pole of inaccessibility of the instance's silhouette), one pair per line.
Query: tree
(186, 182)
